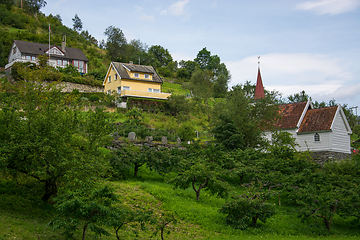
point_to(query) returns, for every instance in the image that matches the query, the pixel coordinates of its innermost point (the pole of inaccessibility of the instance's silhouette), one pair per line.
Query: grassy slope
(22, 216)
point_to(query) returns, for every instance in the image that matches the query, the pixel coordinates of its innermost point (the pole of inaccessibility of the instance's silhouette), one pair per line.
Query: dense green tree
(238, 122)
(161, 54)
(115, 43)
(221, 75)
(48, 139)
(33, 6)
(77, 23)
(298, 97)
(187, 67)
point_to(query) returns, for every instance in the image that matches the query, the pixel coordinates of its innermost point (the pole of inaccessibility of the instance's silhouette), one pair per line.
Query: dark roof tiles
(290, 115)
(40, 48)
(319, 119)
(120, 67)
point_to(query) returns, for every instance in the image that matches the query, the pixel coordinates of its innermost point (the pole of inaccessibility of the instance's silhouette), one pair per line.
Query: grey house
(22, 51)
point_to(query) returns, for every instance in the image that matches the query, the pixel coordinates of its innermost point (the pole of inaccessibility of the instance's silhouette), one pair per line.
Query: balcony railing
(135, 93)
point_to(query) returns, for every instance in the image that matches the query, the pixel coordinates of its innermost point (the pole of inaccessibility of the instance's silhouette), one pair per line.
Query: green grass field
(24, 216)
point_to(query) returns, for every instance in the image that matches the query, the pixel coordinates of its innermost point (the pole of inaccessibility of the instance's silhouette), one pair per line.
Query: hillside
(16, 24)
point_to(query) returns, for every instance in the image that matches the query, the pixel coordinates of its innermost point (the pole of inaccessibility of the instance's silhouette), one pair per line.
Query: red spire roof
(259, 90)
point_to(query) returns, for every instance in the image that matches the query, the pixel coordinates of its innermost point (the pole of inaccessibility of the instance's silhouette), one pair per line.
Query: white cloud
(177, 9)
(147, 18)
(331, 7)
(317, 74)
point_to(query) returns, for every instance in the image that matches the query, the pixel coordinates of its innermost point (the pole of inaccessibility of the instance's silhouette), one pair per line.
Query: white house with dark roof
(22, 51)
(316, 130)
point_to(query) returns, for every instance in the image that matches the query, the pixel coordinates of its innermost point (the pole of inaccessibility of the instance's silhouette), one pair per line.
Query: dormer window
(147, 76)
(316, 137)
(136, 75)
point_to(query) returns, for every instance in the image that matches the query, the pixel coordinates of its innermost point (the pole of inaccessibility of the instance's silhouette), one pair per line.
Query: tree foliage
(48, 139)
(77, 23)
(115, 43)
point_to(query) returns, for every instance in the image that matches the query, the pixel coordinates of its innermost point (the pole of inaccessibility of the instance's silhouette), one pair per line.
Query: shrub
(94, 98)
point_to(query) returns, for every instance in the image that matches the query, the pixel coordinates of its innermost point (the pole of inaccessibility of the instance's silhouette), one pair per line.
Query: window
(153, 90)
(126, 88)
(65, 62)
(76, 63)
(108, 91)
(33, 58)
(147, 76)
(109, 81)
(115, 77)
(59, 62)
(317, 137)
(136, 75)
(81, 66)
(14, 50)
(119, 90)
(28, 58)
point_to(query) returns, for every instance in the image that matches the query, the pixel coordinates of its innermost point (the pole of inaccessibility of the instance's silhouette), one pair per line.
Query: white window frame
(156, 90)
(59, 62)
(28, 58)
(115, 77)
(109, 79)
(65, 62)
(76, 63)
(136, 75)
(150, 89)
(108, 91)
(147, 76)
(119, 90)
(126, 88)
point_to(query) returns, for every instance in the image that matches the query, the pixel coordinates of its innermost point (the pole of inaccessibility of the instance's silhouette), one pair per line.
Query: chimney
(131, 62)
(63, 43)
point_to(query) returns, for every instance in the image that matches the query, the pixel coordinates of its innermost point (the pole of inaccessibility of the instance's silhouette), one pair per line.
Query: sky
(311, 45)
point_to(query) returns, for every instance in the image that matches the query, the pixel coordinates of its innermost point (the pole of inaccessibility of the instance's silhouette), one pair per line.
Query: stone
(132, 136)
(178, 141)
(116, 135)
(149, 139)
(164, 140)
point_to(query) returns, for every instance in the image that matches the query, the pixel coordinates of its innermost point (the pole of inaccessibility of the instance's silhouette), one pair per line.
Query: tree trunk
(254, 220)
(162, 233)
(84, 231)
(50, 189)
(136, 170)
(197, 195)
(327, 224)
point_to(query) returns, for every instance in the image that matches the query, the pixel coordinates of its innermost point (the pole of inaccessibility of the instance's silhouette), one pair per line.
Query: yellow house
(131, 80)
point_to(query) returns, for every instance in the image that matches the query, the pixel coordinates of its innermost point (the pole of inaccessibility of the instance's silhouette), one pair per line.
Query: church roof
(319, 119)
(259, 90)
(290, 115)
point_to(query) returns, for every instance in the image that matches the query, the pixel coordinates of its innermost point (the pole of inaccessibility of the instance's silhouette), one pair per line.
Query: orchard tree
(44, 137)
(86, 209)
(202, 170)
(116, 43)
(77, 23)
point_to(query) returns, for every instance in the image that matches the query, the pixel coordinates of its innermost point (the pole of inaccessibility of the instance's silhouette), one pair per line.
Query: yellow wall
(141, 75)
(133, 84)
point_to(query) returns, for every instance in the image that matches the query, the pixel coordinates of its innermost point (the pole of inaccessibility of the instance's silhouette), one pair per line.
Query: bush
(94, 98)
(187, 131)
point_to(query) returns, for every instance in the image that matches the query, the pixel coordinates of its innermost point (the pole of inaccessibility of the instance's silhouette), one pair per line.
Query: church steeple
(259, 90)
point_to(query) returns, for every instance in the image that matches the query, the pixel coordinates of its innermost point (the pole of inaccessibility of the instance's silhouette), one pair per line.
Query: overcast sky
(311, 45)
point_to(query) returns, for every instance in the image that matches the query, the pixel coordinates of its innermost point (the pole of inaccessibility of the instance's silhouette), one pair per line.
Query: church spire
(259, 90)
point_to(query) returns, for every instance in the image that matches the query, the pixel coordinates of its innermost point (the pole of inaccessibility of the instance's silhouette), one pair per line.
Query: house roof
(319, 119)
(259, 90)
(121, 69)
(290, 115)
(40, 48)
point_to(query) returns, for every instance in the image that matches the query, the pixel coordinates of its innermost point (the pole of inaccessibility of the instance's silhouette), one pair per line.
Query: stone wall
(328, 156)
(68, 87)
